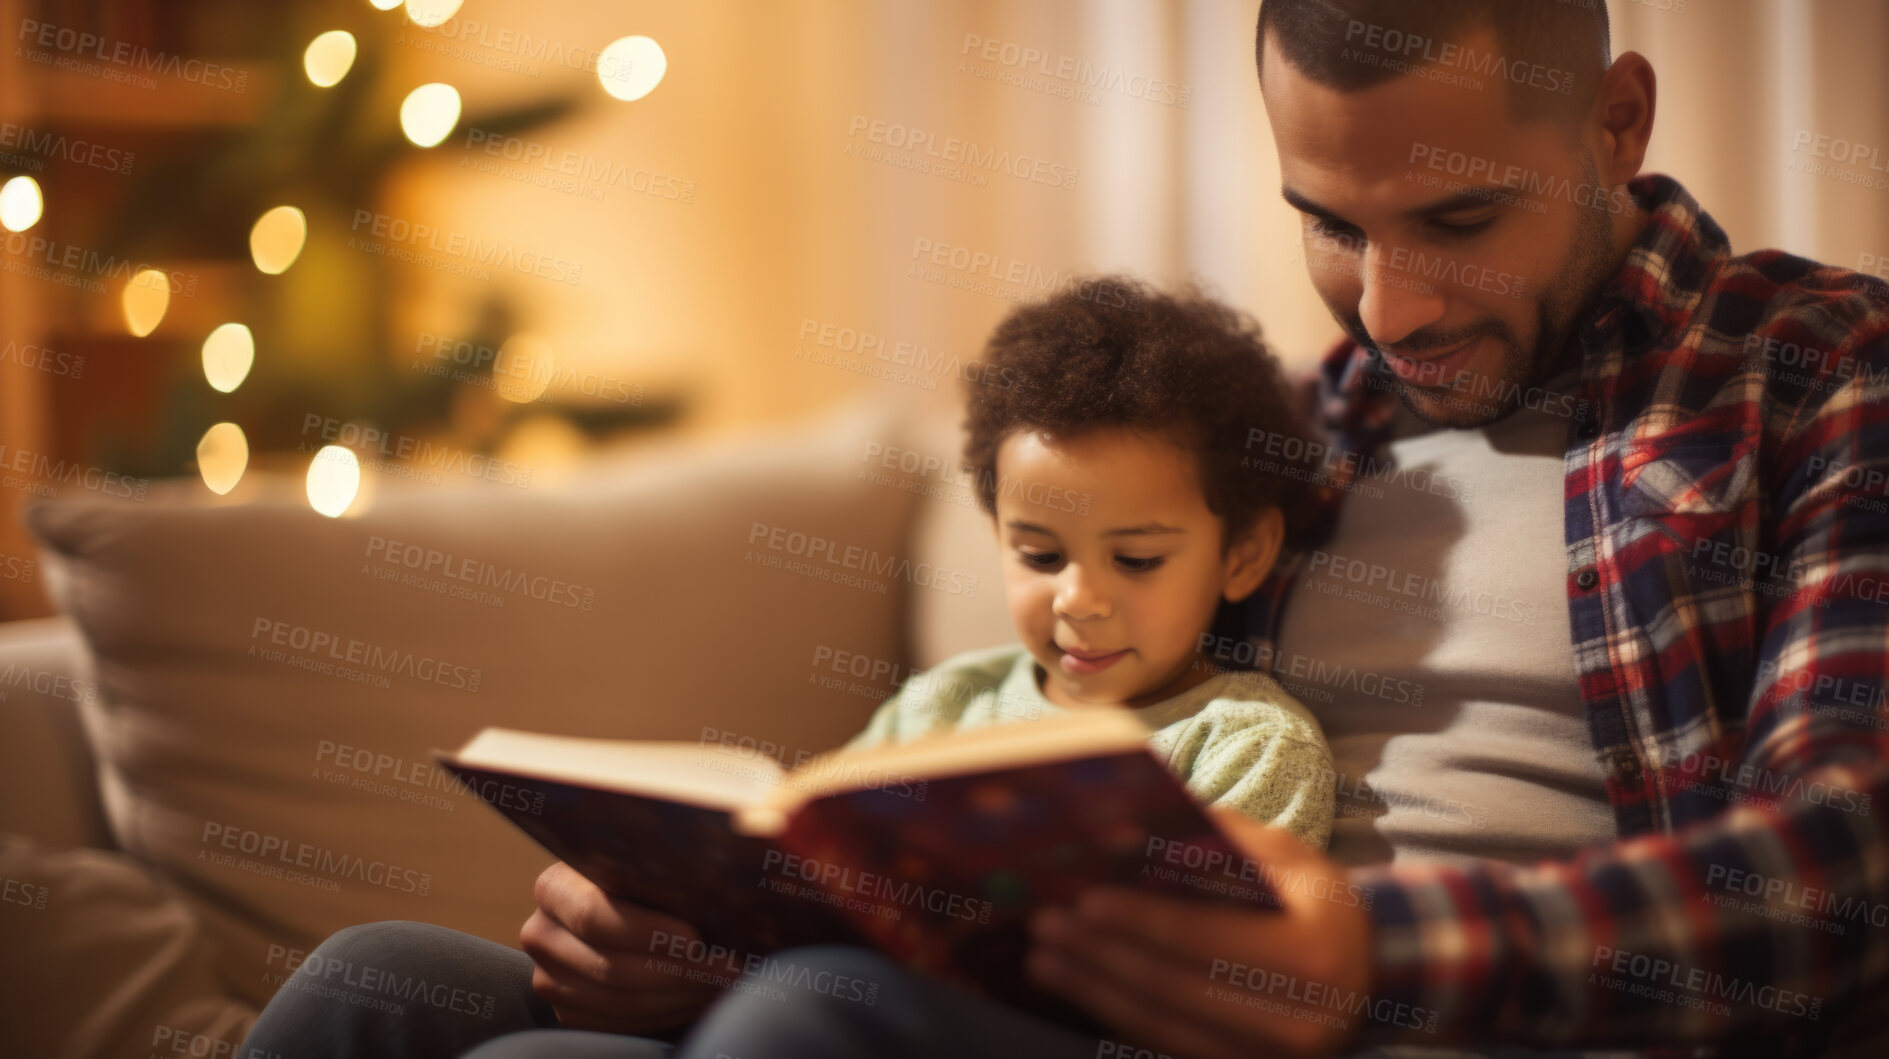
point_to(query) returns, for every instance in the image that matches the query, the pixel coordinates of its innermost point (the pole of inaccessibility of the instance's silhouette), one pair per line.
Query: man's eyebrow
(1305, 205)
(1463, 200)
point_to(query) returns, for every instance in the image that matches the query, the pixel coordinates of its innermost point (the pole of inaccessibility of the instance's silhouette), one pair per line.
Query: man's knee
(841, 975)
(381, 945)
(837, 959)
(801, 1000)
(393, 934)
(371, 954)
(569, 1044)
(355, 994)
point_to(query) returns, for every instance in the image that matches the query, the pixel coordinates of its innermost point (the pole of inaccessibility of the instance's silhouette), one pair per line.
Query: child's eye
(1138, 565)
(1043, 560)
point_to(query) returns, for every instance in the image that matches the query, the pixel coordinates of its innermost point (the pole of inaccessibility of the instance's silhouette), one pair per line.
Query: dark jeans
(412, 990)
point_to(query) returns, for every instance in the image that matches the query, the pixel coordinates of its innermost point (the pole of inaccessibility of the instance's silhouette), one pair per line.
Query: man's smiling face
(1468, 285)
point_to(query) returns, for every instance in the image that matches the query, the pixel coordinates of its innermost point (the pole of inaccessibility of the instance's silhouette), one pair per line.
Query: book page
(708, 775)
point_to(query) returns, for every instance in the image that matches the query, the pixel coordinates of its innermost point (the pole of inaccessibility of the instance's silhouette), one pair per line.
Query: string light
(227, 356)
(631, 67)
(222, 457)
(146, 298)
(277, 239)
(334, 477)
(329, 58)
(429, 113)
(20, 204)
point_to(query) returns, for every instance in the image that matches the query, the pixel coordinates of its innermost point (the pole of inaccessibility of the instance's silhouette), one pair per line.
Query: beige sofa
(219, 752)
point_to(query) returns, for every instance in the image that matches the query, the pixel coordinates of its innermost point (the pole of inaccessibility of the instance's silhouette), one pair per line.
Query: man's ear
(1251, 556)
(1627, 101)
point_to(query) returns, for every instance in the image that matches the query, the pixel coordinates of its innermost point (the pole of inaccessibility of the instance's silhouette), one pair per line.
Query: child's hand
(597, 967)
(1204, 980)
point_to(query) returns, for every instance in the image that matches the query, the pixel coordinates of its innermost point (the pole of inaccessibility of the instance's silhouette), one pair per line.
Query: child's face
(1113, 564)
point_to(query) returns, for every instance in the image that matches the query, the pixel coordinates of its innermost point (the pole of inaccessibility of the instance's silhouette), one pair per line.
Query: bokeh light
(334, 477)
(431, 12)
(631, 67)
(276, 240)
(222, 457)
(523, 368)
(329, 58)
(146, 298)
(549, 445)
(227, 356)
(429, 113)
(20, 204)
(385, 5)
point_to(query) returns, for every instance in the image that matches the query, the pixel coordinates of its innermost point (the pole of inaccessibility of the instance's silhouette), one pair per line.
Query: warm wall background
(755, 218)
(761, 98)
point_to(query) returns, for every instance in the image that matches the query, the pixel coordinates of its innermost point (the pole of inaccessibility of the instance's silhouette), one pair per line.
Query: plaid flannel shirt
(1727, 529)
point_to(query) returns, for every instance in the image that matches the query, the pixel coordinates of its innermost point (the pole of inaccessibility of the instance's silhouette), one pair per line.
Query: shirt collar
(1670, 266)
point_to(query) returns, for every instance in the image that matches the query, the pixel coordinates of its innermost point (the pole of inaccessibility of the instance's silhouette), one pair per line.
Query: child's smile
(1110, 593)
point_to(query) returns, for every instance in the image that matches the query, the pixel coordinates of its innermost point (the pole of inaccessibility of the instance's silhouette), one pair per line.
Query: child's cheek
(1030, 597)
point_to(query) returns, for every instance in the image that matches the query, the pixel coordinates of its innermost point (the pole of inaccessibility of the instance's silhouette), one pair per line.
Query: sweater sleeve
(1264, 760)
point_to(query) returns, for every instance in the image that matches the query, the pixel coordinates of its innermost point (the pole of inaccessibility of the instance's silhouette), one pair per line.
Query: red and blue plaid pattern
(1727, 529)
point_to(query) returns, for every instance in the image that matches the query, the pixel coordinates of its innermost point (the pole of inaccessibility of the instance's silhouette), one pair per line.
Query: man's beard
(1483, 400)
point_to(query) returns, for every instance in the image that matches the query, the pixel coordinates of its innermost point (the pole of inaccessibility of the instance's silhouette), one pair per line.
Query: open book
(934, 852)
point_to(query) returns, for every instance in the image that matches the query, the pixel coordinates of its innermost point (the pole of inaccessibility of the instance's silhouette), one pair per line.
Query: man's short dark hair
(1112, 352)
(1550, 54)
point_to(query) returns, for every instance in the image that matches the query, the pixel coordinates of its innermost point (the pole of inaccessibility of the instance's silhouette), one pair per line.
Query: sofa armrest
(48, 782)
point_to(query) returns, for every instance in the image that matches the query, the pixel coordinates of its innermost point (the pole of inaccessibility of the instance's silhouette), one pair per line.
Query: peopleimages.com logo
(269, 637)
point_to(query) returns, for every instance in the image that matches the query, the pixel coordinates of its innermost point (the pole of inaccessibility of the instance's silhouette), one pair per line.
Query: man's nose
(1394, 302)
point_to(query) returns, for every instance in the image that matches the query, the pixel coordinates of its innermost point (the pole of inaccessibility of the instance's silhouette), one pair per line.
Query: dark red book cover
(941, 876)
(946, 886)
(684, 860)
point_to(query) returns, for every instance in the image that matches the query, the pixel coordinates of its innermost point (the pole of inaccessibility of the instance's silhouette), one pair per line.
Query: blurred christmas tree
(323, 331)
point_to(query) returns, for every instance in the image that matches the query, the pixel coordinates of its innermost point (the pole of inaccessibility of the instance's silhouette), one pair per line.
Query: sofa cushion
(270, 681)
(103, 959)
(48, 788)
(950, 530)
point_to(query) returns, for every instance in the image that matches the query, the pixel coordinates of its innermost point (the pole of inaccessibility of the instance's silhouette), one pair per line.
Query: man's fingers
(580, 907)
(601, 921)
(602, 964)
(1263, 843)
(1220, 987)
(1184, 933)
(547, 942)
(1135, 1015)
(1129, 958)
(1190, 930)
(555, 984)
(1144, 962)
(1286, 975)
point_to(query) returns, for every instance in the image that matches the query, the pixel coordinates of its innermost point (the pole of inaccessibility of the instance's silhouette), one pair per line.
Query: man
(1597, 635)
(1698, 741)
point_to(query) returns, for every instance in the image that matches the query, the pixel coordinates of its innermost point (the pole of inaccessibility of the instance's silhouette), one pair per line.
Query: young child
(1107, 434)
